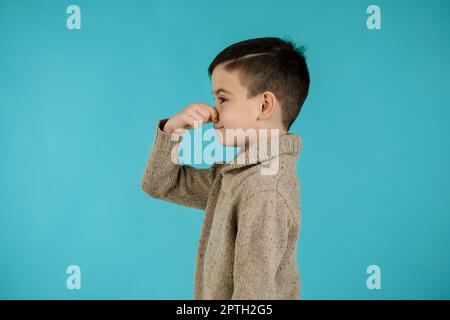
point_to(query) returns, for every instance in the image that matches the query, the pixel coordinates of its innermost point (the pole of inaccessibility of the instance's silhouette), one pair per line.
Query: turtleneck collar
(268, 149)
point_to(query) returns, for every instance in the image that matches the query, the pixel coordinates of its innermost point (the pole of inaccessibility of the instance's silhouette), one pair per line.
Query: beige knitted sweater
(248, 243)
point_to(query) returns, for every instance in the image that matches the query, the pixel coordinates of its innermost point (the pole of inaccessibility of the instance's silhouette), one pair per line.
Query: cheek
(236, 116)
(226, 117)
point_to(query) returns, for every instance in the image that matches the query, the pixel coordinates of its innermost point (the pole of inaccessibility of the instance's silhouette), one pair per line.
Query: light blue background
(77, 120)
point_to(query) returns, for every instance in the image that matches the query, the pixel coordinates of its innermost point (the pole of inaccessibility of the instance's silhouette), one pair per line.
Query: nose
(218, 108)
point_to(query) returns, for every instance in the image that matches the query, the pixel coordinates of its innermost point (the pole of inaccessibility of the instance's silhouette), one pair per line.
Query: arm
(180, 184)
(263, 229)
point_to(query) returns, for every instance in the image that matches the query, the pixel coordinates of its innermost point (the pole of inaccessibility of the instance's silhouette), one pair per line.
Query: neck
(272, 132)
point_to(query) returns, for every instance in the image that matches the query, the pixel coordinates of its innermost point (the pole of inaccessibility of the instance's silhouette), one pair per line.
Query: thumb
(214, 114)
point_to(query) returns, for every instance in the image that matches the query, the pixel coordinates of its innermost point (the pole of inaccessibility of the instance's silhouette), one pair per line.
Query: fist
(193, 116)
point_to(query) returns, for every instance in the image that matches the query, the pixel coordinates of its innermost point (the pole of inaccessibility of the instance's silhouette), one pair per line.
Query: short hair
(271, 64)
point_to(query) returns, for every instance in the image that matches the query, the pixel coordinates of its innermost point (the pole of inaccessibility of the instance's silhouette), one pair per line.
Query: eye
(222, 99)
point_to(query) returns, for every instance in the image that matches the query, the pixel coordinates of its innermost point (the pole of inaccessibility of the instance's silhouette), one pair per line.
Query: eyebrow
(222, 90)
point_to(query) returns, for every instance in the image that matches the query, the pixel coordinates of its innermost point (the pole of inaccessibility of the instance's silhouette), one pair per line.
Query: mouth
(217, 126)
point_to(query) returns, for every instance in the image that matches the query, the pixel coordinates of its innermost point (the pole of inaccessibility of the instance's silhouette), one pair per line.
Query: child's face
(234, 109)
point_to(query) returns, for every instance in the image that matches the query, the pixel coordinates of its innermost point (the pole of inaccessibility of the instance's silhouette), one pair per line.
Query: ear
(268, 105)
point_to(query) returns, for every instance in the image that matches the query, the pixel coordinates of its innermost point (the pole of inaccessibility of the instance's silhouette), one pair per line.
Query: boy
(248, 243)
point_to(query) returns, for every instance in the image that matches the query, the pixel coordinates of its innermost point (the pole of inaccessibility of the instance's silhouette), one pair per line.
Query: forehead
(223, 79)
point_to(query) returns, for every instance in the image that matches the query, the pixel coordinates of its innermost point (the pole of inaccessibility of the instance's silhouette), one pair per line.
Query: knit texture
(248, 243)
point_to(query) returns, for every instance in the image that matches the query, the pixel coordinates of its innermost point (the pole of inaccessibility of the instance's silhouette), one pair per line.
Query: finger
(195, 115)
(194, 122)
(202, 110)
(212, 114)
(188, 120)
(204, 114)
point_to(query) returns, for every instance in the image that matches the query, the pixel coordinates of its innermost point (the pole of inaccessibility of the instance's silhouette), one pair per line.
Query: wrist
(167, 128)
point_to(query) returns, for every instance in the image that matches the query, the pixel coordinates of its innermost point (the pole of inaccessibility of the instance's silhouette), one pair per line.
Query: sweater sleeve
(262, 236)
(166, 180)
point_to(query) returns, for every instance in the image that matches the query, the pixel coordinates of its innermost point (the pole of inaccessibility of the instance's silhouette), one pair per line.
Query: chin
(232, 142)
(221, 134)
(221, 137)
